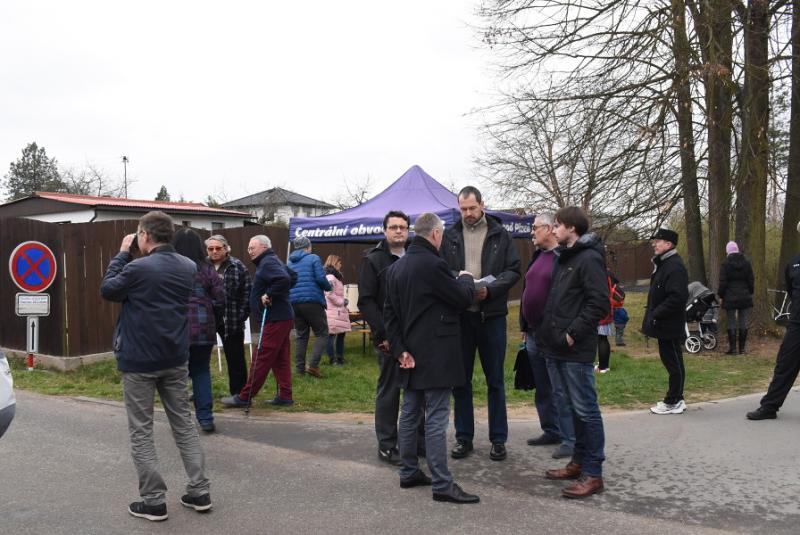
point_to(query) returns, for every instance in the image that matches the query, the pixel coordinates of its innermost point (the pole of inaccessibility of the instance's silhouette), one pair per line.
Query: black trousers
(234, 356)
(672, 358)
(387, 404)
(787, 365)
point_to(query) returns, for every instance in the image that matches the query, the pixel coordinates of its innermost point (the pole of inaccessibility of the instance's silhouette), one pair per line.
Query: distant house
(277, 205)
(69, 208)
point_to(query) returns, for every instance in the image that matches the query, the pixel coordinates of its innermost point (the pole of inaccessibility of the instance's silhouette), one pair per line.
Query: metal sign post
(32, 338)
(33, 269)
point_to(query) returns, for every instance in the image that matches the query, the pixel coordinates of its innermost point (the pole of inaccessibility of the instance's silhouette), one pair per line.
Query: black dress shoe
(762, 414)
(461, 449)
(417, 479)
(455, 495)
(498, 452)
(545, 439)
(390, 456)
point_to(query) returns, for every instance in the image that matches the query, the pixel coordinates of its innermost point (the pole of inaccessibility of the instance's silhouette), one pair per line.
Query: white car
(7, 400)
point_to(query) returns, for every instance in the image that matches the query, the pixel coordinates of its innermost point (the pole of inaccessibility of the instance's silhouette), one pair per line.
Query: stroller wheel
(709, 341)
(693, 344)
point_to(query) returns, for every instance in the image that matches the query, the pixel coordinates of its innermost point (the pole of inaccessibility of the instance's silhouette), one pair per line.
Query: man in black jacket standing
(371, 297)
(479, 244)
(665, 317)
(567, 334)
(423, 300)
(151, 344)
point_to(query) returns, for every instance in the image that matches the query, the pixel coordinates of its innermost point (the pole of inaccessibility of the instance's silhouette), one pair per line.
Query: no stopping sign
(32, 266)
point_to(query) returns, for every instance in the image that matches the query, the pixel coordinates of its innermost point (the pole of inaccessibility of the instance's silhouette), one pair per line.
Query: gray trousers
(139, 394)
(387, 404)
(434, 406)
(309, 316)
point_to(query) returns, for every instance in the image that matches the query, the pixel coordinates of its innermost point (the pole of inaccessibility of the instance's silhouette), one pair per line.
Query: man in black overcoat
(665, 317)
(421, 314)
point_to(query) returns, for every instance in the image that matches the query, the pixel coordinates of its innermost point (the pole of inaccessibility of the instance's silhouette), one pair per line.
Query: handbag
(523, 373)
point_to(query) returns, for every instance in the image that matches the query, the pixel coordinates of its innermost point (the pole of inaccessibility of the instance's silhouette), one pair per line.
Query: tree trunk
(752, 192)
(790, 239)
(691, 196)
(719, 103)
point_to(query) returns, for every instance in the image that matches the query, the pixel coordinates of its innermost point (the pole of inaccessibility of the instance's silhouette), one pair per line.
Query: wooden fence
(82, 323)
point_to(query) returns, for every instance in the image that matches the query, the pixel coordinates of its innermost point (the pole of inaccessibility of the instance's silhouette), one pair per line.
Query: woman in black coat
(736, 295)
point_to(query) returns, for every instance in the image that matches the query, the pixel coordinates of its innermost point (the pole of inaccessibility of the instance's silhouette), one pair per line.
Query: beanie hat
(731, 247)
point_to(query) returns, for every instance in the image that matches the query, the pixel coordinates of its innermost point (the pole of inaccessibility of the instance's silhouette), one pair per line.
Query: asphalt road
(65, 468)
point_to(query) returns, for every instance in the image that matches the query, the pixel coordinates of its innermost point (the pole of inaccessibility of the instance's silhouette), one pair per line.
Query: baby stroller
(702, 309)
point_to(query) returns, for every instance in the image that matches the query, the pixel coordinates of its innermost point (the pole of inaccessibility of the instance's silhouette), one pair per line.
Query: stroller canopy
(697, 291)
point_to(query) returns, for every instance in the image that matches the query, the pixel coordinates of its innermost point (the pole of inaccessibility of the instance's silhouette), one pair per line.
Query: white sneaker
(665, 408)
(678, 408)
(604, 370)
(660, 408)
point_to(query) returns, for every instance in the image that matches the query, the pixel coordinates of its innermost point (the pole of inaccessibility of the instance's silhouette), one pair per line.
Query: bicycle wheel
(693, 344)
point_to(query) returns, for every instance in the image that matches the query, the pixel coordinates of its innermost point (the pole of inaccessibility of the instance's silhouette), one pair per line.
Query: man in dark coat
(151, 344)
(567, 334)
(270, 289)
(478, 243)
(787, 364)
(665, 317)
(423, 300)
(371, 297)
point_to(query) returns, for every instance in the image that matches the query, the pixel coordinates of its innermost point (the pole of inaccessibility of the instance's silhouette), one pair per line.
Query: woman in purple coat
(206, 306)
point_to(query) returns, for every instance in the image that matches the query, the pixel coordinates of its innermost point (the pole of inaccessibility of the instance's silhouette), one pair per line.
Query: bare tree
(355, 192)
(92, 180)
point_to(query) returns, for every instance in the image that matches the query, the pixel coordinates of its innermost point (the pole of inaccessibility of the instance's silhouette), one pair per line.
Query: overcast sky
(230, 98)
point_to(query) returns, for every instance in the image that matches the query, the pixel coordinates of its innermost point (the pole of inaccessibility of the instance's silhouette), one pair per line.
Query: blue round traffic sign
(32, 266)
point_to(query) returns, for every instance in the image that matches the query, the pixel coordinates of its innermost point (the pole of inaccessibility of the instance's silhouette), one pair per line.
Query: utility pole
(125, 175)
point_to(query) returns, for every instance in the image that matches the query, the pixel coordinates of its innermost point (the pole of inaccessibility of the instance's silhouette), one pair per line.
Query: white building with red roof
(56, 207)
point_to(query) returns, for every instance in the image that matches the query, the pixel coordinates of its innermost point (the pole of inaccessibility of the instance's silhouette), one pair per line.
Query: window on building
(216, 225)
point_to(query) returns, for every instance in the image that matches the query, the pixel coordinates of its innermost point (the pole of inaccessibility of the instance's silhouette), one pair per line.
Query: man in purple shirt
(554, 417)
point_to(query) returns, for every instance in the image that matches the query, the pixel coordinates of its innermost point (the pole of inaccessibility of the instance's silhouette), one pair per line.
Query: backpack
(615, 294)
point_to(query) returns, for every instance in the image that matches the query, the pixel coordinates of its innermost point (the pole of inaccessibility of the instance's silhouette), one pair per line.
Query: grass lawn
(637, 378)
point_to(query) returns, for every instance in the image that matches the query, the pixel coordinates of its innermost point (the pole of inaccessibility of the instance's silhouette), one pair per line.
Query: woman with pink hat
(736, 295)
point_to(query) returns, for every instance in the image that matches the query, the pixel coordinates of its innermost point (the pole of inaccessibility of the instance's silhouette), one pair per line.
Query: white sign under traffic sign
(32, 335)
(32, 304)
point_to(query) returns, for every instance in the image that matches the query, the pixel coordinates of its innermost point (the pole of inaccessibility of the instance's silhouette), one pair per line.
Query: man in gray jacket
(151, 343)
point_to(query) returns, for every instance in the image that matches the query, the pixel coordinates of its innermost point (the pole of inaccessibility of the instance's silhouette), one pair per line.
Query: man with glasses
(371, 298)
(236, 280)
(555, 418)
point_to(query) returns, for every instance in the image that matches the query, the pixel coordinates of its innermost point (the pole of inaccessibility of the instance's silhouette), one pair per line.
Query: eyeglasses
(214, 249)
(395, 228)
(537, 227)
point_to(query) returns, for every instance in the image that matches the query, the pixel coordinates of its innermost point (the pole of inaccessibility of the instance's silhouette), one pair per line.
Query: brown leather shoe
(584, 487)
(313, 372)
(571, 471)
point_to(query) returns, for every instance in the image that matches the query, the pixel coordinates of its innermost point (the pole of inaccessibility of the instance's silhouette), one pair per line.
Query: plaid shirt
(237, 284)
(205, 306)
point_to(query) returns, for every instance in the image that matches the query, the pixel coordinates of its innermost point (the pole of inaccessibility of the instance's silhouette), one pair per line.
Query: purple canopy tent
(414, 193)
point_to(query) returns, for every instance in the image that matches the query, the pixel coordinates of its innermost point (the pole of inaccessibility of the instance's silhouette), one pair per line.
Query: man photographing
(151, 344)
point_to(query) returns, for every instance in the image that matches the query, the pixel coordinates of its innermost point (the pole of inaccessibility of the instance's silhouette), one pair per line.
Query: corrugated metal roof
(278, 195)
(88, 200)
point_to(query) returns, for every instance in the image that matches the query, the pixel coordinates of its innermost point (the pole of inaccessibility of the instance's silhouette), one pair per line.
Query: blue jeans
(489, 338)
(434, 405)
(566, 426)
(339, 345)
(578, 381)
(200, 373)
(543, 395)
